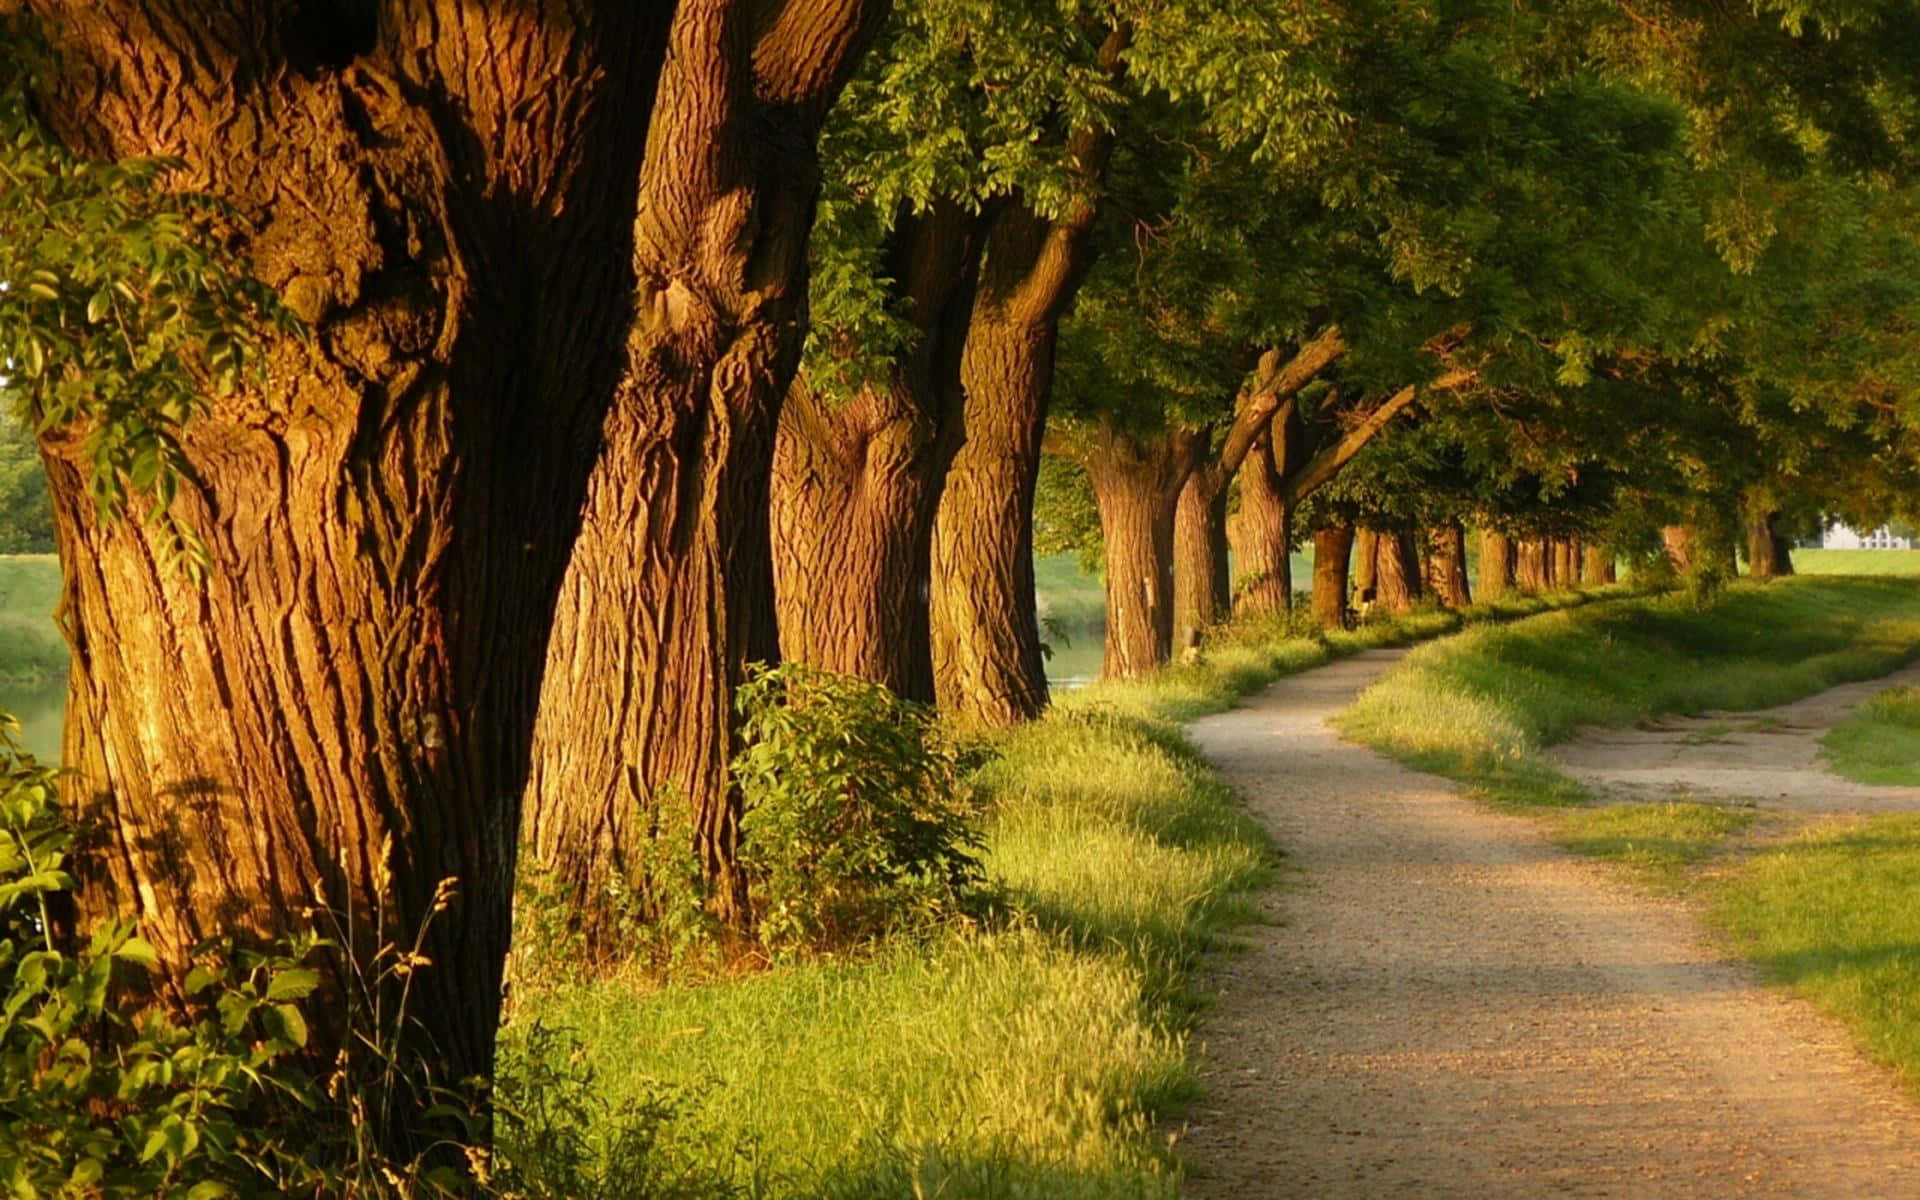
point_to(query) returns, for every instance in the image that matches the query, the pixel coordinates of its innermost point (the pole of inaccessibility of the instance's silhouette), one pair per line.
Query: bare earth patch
(1447, 1005)
(1770, 757)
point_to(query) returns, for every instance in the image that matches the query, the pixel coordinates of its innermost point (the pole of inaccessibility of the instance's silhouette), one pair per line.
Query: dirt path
(1770, 757)
(1448, 1006)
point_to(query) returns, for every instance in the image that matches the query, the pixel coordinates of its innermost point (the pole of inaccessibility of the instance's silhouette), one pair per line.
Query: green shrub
(855, 821)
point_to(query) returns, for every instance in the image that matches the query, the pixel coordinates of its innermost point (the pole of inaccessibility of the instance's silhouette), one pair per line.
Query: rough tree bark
(1261, 533)
(1262, 413)
(1447, 566)
(669, 593)
(1566, 562)
(1769, 555)
(1532, 565)
(1332, 552)
(1496, 564)
(1396, 572)
(855, 484)
(345, 708)
(1136, 485)
(1366, 564)
(1681, 546)
(1596, 568)
(987, 664)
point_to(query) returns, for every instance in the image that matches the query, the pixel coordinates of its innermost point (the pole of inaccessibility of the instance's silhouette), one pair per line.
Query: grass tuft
(1879, 743)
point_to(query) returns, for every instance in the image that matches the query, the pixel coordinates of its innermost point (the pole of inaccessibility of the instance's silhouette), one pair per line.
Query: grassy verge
(1038, 1057)
(1857, 562)
(1880, 742)
(1828, 911)
(1830, 915)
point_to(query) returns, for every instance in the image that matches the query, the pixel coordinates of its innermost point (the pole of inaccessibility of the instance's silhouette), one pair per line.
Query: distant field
(1857, 562)
(33, 657)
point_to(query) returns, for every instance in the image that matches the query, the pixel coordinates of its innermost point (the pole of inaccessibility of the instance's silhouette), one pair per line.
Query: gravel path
(1446, 1005)
(1770, 758)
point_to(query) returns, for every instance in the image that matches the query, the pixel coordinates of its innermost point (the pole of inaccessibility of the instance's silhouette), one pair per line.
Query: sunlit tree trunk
(856, 482)
(1137, 484)
(1531, 565)
(1681, 545)
(343, 711)
(1201, 596)
(1261, 535)
(1366, 563)
(1496, 564)
(1447, 566)
(669, 593)
(1396, 572)
(1769, 555)
(1597, 568)
(1332, 550)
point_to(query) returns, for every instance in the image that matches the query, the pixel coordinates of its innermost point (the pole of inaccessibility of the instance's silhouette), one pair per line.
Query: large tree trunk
(669, 593)
(1366, 564)
(1447, 566)
(987, 664)
(1532, 570)
(1332, 550)
(1261, 534)
(1137, 486)
(1396, 572)
(855, 483)
(1496, 564)
(1681, 545)
(1566, 562)
(1201, 594)
(1596, 569)
(1769, 555)
(344, 709)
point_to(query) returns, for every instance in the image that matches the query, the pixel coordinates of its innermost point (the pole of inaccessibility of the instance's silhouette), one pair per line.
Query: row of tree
(606, 348)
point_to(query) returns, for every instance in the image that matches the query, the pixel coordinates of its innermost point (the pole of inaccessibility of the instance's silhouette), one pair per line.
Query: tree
(669, 591)
(26, 516)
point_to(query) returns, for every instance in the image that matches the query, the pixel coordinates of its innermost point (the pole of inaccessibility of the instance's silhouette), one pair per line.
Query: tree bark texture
(1366, 563)
(1566, 562)
(855, 483)
(1681, 546)
(1596, 568)
(1396, 572)
(1261, 534)
(987, 664)
(669, 593)
(1201, 598)
(1332, 551)
(1496, 564)
(1769, 555)
(445, 195)
(1137, 485)
(1532, 565)
(1447, 566)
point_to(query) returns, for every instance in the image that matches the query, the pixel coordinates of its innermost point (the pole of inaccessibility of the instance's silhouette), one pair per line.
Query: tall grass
(1043, 1054)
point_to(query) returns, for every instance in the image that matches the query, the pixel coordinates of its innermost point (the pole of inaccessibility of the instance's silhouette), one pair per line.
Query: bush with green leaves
(856, 822)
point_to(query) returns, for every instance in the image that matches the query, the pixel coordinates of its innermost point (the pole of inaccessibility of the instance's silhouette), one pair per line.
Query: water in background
(40, 711)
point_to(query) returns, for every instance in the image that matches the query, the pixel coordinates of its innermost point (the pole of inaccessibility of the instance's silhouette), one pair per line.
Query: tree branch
(1329, 461)
(1273, 386)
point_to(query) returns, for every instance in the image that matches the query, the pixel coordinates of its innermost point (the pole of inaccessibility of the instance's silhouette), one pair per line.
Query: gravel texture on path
(1770, 757)
(1447, 1005)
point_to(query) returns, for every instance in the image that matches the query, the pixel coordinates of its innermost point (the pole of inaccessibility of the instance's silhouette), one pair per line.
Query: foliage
(121, 306)
(854, 821)
(26, 516)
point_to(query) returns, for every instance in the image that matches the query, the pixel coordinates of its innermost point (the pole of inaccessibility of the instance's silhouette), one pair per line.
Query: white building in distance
(1842, 537)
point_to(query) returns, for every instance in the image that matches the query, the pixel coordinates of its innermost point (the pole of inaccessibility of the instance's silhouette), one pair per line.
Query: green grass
(1857, 562)
(1831, 915)
(1480, 706)
(1658, 842)
(1041, 1056)
(1879, 742)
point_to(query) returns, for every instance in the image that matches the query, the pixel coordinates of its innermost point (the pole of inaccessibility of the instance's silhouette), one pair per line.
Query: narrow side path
(1770, 756)
(1449, 1006)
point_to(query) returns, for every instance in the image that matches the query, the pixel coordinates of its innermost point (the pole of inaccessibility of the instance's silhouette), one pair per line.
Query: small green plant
(855, 820)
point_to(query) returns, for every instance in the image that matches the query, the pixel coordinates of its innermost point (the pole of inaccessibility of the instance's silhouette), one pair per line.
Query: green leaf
(139, 950)
(293, 1026)
(293, 983)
